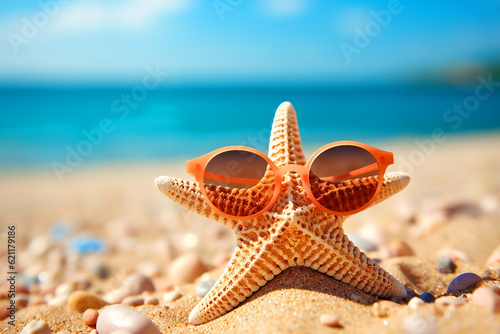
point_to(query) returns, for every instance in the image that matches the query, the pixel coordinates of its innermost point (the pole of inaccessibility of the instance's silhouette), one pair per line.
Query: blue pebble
(87, 245)
(427, 297)
(409, 294)
(462, 282)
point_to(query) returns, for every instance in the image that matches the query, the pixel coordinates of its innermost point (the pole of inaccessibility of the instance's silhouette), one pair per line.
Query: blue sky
(97, 42)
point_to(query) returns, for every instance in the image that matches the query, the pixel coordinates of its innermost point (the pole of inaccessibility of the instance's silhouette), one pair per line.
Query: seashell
(121, 317)
(462, 282)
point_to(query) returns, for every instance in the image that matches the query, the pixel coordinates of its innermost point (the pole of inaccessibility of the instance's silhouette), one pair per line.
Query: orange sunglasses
(240, 182)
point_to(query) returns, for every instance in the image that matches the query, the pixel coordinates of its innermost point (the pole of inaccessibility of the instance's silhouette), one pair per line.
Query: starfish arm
(285, 145)
(393, 183)
(315, 240)
(247, 271)
(341, 259)
(187, 194)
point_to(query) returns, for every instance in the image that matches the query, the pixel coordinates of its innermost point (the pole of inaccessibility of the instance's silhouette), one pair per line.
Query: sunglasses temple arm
(360, 171)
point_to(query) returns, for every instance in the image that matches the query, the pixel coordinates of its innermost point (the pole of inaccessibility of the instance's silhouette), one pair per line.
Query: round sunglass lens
(239, 183)
(344, 178)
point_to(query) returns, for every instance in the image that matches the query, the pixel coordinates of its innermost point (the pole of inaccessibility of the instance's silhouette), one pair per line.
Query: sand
(451, 208)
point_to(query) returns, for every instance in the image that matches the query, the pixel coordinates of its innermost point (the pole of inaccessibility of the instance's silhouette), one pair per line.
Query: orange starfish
(294, 232)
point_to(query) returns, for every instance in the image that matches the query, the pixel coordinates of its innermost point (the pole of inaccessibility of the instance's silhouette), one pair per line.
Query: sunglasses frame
(196, 167)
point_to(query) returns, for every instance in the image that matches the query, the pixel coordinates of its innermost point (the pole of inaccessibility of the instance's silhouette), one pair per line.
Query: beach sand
(102, 223)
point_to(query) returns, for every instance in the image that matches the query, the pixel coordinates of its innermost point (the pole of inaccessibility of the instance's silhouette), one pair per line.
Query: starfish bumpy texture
(294, 232)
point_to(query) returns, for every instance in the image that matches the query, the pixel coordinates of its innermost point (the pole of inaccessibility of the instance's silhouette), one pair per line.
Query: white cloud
(126, 15)
(283, 8)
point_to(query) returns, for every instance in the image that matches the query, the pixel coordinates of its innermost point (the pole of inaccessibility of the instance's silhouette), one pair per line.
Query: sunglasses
(340, 178)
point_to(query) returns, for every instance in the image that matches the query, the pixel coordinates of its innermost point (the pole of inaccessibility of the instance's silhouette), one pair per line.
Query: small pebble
(36, 327)
(133, 301)
(80, 301)
(462, 282)
(185, 269)
(90, 316)
(415, 303)
(100, 270)
(121, 317)
(450, 301)
(171, 296)
(416, 324)
(330, 320)
(151, 300)
(137, 283)
(398, 247)
(116, 296)
(446, 266)
(488, 297)
(204, 287)
(427, 297)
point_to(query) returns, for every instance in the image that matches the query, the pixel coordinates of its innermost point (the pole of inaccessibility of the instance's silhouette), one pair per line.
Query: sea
(43, 127)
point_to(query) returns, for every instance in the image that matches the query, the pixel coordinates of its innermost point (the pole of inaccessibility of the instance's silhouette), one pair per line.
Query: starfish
(294, 232)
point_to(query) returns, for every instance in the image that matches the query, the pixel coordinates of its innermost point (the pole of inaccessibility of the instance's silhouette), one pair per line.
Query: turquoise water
(41, 126)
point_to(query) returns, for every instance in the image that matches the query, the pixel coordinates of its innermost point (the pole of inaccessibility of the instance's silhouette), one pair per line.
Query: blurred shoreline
(73, 127)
